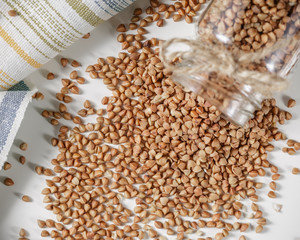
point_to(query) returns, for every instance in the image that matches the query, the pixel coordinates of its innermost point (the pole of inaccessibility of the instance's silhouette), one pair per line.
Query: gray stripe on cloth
(8, 110)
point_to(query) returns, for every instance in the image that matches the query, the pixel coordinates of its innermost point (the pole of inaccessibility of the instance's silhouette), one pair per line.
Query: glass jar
(246, 26)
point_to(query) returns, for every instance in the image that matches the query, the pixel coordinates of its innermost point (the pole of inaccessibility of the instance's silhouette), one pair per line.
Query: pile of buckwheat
(171, 151)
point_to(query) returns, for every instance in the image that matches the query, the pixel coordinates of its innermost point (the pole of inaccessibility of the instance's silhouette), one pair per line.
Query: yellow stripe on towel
(5, 84)
(18, 49)
(8, 77)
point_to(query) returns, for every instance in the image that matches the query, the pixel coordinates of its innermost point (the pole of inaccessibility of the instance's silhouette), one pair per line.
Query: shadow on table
(32, 131)
(37, 133)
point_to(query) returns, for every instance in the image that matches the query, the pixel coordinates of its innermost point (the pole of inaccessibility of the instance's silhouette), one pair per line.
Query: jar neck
(237, 104)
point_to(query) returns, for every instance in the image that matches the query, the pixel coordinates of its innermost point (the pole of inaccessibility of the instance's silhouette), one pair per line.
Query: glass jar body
(247, 27)
(250, 26)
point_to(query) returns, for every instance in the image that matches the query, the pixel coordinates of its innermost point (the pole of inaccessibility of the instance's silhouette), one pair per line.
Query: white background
(37, 132)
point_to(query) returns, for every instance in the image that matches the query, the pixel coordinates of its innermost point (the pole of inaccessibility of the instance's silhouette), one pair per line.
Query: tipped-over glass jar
(244, 28)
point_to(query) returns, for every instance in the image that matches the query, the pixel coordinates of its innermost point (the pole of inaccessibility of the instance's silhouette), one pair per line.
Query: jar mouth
(238, 107)
(241, 107)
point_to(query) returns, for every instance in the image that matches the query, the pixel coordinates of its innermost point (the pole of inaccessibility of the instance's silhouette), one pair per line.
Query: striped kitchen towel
(39, 31)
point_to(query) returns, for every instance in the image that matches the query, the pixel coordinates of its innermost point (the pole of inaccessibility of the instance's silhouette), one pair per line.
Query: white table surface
(37, 132)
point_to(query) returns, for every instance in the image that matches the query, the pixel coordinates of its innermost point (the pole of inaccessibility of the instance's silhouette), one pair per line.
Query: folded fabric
(38, 32)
